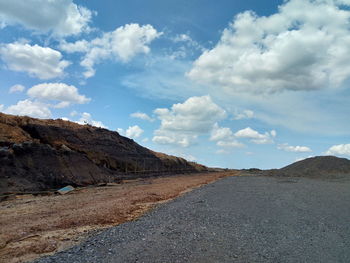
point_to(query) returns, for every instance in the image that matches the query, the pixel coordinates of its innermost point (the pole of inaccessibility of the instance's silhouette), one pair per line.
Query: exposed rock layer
(38, 155)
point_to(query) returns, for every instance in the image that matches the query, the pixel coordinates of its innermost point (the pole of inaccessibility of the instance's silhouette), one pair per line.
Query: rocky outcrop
(38, 154)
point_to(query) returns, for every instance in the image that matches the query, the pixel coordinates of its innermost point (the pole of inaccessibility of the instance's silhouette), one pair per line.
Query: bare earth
(31, 227)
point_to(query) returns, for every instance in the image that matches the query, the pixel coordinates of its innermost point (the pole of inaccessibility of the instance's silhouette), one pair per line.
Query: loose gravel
(236, 219)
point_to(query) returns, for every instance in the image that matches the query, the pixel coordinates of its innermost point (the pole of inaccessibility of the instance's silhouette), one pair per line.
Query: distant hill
(316, 167)
(48, 154)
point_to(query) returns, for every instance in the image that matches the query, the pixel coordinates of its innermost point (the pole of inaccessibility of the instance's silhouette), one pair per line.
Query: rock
(65, 148)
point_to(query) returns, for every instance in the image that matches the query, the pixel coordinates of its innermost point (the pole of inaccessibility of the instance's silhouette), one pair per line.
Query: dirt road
(34, 226)
(237, 219)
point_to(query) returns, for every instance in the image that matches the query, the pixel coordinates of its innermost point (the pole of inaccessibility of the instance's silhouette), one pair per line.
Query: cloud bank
(61, 17)
(305, 46)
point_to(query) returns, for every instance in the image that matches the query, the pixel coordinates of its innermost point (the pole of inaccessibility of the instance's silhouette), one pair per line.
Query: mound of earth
(37, 155)
(316, 167)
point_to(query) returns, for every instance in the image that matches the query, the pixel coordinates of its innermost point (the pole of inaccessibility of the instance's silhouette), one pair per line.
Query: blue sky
(233, 84)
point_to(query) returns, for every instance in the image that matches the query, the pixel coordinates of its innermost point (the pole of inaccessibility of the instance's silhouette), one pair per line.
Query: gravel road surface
(236, 219)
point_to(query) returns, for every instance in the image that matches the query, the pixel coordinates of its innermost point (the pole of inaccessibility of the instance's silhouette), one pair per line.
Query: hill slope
(320, 166)
(43, 154)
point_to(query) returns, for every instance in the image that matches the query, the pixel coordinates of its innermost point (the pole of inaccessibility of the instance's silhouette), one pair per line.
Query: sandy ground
(31, 227)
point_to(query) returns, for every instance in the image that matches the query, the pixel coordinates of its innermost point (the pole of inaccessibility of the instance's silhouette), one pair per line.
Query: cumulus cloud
(220, 133)
(29, 108)
(17, 88)
(65, 94)
(142, 116)
(184, 122)
(122, 44)
(176, 138)
(2, 107)
(304, 46)
(289, 148)
(255, 136)
(37, 61)
(340, 149)
(86, 118)
(196, 114)
(224, 137)
(134, 132)
(61, 17)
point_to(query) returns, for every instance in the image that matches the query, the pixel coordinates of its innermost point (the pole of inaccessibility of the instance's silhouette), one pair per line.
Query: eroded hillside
(38, 154)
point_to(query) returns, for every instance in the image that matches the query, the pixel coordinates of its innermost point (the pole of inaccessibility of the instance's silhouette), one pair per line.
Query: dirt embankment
(35, 226)
(37, 155)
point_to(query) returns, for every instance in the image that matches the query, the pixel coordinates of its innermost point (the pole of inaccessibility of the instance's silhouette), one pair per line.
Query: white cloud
(37, 61)
(288, 148)
(196, 114)
(224, 137)
(122, 44)
(340, 149)
(305, 46)
(2, 107)
(134, 132)
(184, 47)
(184, 38)
(220, 133)
(176, 138)
(61, 105)
(29, 108)
(245, 114)
(76, 47)
(61, 17)
(121, 131)
(86, 118)
(184, 122)
(255, 136)
(142, 116)
(62, 92)
(17, 88)
(273, 133)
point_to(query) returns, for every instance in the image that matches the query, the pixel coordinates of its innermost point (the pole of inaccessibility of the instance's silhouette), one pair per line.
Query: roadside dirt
(31, 227)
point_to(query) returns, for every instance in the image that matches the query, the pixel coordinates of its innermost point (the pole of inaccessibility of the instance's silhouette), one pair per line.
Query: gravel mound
(317, 167)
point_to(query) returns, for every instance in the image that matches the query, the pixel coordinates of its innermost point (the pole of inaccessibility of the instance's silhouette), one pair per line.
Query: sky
(229, 83)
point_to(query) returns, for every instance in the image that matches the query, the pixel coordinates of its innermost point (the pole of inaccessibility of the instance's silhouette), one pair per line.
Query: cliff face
(47, 154)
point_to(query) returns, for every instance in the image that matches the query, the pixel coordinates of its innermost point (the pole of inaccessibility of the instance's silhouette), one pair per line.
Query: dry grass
(34, 226)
